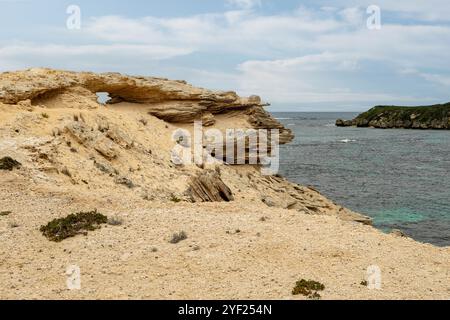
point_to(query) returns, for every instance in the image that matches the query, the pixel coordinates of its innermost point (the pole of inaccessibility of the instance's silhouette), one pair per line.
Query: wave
(347, 140)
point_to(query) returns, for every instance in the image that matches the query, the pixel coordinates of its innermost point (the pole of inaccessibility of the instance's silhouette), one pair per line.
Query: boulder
(398, 233)
(209, 187)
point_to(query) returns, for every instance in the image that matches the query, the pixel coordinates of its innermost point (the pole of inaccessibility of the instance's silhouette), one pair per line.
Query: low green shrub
(72, 225)
(308, 288)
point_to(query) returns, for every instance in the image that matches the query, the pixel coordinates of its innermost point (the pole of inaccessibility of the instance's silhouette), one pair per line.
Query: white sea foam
(347, 140)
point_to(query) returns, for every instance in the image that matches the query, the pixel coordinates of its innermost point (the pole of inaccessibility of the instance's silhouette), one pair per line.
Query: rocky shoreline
(386, 117)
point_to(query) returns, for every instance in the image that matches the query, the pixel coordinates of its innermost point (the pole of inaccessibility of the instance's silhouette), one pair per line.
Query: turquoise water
(401, 178)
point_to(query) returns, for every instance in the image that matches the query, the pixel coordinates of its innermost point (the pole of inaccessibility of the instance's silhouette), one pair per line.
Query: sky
(309, 55)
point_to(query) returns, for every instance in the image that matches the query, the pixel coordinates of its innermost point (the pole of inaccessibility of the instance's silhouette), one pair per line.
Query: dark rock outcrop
(386, 117)
(8, 163)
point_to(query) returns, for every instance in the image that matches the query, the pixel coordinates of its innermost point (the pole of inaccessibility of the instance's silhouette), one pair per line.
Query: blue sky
(298, 55)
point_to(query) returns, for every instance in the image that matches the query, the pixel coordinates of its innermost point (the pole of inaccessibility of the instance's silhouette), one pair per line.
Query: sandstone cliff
(172, 101)
(52, 123)
(384, 117)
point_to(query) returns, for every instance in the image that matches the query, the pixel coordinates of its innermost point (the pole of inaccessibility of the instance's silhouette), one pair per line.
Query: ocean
(400, 178)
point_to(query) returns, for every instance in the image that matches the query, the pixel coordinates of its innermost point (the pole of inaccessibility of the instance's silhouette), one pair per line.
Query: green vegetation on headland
(423, 117)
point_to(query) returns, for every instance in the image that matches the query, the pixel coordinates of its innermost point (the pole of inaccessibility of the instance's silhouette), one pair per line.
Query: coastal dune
(245, 235)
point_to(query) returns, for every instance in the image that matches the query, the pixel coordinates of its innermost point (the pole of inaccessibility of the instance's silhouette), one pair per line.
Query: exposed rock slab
(209, 187)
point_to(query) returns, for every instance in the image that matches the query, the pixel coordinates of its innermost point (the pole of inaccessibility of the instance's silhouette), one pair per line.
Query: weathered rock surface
(91, 138)
(209, 187)
(52, 122)
(385, 117)
(169, 100)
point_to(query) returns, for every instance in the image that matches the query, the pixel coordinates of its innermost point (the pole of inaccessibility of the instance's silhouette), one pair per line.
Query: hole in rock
(102, 97)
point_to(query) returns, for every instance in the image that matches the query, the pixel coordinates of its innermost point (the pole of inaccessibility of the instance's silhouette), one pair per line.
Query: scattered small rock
(174, 198)
(66, 172)
(178, 237)
(398, 233)
(115, 221)
(312, 188)
(13, 224)
(8, 163)
(125, 181)
(105, 168)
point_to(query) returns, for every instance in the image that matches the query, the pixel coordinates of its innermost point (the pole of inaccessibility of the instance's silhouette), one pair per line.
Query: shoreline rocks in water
(385, 117)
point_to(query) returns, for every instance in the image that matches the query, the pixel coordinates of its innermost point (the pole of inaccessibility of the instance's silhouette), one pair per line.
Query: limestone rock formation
(169, 100)
(70, 143)
(91, 138)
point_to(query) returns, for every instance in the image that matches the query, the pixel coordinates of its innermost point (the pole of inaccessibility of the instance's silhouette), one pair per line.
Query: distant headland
(385, 117)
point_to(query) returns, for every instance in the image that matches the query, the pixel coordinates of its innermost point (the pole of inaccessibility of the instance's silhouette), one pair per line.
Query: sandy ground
(263, 261)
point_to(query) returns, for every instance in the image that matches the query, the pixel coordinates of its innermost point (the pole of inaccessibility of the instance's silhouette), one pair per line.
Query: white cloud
(300, 80)
(150, 52)
(239, 31)
(429, 10)
(309, 55)
(425, 10)
(285, 35)
(353, 15)
(437, 78)
(244, 4)
(325, 61)
(442, 80)
(118, 57)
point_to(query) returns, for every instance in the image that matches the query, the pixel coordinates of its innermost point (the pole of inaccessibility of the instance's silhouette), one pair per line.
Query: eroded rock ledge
(170, 100)
(385, 117)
